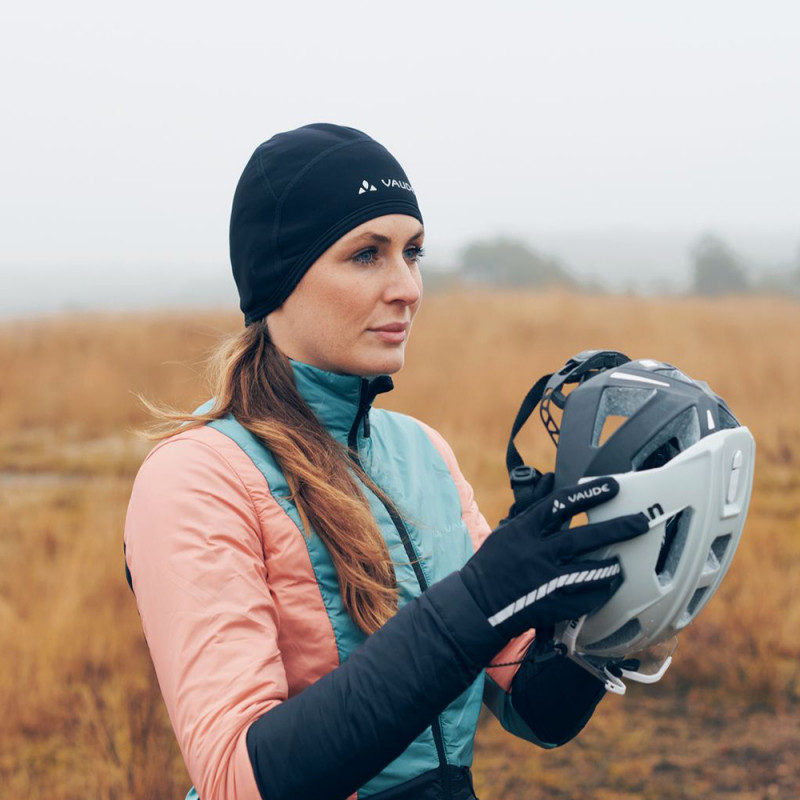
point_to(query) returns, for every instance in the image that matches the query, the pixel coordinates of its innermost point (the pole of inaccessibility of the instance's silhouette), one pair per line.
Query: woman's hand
(527, 574)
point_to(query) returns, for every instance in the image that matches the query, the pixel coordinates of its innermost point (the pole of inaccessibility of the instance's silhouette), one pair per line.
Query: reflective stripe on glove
(527, 574)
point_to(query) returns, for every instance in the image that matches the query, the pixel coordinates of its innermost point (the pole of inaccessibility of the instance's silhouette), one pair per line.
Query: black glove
(527, 573)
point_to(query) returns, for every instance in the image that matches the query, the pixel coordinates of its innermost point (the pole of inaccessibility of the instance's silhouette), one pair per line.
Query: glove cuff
(466, 621)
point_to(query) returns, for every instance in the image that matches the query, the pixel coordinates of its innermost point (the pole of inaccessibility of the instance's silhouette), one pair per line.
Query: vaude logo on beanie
(397, 184)
(389, 183)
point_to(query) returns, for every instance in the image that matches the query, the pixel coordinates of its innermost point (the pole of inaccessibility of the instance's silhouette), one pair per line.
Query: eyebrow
(381, 239)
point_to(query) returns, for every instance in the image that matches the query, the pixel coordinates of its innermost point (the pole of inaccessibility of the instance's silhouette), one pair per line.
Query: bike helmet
(682, 458)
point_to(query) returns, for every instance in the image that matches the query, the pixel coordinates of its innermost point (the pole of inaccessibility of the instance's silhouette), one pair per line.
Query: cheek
(352, 305)
(337, 324)
(329, 309)
(343, 292)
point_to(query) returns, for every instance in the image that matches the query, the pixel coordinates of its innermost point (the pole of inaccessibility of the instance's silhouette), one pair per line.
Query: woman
(303, 564)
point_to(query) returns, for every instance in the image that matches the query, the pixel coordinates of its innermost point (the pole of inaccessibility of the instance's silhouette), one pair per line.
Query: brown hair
(253, 381)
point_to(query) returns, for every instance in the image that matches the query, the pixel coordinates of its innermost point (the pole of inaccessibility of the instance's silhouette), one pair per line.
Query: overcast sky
(125, 126)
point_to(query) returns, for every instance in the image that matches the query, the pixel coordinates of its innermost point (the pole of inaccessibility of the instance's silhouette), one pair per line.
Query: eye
(366, 256)
(414, 253)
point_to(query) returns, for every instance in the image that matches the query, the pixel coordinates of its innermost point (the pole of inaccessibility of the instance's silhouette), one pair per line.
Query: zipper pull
(369, 390)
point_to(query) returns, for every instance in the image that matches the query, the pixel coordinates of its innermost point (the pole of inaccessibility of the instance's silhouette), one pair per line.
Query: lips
(393, 327)
(392, 332)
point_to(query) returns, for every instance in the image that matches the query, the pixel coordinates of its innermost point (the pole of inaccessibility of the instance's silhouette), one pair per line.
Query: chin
(383, 364)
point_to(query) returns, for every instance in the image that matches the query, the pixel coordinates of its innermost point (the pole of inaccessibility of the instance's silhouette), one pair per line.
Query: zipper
(368, 392)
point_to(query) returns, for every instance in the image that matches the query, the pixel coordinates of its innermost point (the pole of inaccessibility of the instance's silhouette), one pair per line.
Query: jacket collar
(340, 402)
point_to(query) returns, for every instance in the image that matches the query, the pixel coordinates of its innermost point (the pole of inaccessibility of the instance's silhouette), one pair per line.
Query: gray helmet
(681, 457)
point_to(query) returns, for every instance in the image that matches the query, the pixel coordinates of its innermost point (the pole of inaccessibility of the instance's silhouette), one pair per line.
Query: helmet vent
(726, 419)
(716, 554)
(697, 599)
(719, 546)
(610, 425)
(617, 404)
(676, 436)
(622, 636)
(675, 536)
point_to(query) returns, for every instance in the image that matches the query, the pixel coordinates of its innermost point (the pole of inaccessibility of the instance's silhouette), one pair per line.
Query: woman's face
(352, 311)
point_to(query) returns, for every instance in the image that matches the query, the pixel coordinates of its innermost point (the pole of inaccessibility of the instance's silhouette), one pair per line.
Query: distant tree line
(716, 268)
(510, 262)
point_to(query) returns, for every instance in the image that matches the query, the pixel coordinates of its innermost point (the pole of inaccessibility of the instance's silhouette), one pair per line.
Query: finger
(585, 539)
(580, 576)
(582, 585)
(586, 574)
(566, 503)
(584, 601)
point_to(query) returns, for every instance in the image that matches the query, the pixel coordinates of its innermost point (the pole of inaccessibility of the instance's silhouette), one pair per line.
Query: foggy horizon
(647, 262)
(609, 136)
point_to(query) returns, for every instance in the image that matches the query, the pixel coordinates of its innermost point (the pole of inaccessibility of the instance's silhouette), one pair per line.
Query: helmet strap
(547, 390)
(524, 479)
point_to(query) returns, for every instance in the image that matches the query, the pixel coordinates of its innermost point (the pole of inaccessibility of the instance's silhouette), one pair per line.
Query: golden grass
(81, 712)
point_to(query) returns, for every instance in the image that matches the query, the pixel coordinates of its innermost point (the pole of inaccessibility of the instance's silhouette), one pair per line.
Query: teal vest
(398, 456)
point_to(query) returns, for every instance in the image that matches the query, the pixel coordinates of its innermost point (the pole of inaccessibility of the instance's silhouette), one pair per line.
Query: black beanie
(300, 192)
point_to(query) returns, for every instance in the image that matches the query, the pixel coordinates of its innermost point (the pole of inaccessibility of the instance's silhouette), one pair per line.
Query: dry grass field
(80, 712)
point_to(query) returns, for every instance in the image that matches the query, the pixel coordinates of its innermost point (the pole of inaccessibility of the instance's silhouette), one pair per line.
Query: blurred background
(613, 174)
(624, 145)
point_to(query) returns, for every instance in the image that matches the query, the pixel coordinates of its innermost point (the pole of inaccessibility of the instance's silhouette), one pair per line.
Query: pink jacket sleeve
(194, 550)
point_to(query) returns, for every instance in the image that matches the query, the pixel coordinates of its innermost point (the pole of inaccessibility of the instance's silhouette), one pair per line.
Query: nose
(403, 283)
